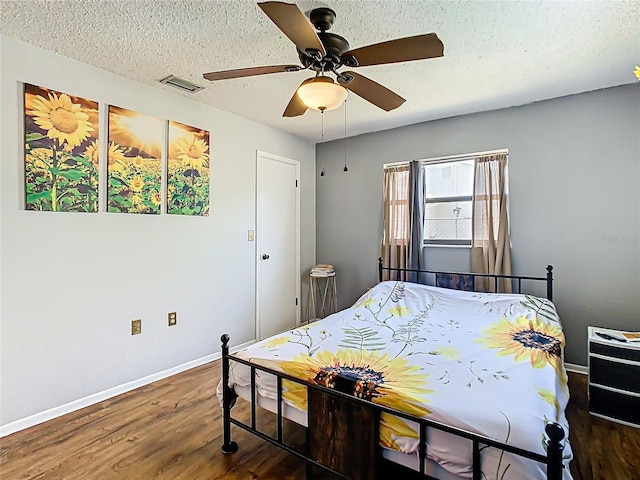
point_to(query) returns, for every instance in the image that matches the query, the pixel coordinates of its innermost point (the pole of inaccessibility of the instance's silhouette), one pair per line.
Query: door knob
(265, 256)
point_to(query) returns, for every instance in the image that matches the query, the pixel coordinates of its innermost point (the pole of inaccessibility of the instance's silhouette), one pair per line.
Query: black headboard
(461, 280)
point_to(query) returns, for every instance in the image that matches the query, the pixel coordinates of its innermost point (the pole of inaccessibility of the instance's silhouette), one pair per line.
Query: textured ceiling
(497, 54)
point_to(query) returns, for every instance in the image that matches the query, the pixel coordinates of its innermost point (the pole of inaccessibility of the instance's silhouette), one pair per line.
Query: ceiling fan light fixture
(322, 93)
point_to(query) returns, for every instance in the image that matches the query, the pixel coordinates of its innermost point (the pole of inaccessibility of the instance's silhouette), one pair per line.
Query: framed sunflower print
(60, 151)
(134, 162)
(187, 170)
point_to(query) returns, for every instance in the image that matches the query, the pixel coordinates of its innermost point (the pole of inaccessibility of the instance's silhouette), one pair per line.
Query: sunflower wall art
(134, 162)
(188, 170)
(61, 161)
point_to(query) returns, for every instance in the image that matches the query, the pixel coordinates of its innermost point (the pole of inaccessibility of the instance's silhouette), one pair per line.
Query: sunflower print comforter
(488, 363)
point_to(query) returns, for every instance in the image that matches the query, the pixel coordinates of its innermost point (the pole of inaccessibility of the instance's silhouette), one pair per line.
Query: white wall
(575, 201)
(71, 283)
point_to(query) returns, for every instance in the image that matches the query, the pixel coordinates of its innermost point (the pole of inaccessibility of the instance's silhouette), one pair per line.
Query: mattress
(487, 363)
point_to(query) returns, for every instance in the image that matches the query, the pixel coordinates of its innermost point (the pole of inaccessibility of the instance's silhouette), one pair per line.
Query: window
(449, 190)
(446, 201)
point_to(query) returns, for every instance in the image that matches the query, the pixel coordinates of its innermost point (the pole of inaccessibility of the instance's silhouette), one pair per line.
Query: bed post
(550, 283)
(554, 450)
(228, 446)
(379, 269)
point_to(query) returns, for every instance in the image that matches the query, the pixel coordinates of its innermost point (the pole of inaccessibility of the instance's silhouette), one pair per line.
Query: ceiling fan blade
(296, 106)
(290, 19)
(249, 72)
(406, 49)
(371, 91)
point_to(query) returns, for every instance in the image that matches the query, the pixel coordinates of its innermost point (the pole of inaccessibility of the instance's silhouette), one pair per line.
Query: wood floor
(172, 430)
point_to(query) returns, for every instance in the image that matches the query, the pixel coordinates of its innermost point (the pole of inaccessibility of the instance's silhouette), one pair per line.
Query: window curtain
(490, 244)
(417, 197)
(404, 196)
(397, 218)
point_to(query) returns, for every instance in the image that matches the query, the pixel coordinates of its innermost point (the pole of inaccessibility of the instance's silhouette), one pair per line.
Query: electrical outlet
(136, 327)
(173, 318)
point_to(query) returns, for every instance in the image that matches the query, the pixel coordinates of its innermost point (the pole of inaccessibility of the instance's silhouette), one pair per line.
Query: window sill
(435, 245)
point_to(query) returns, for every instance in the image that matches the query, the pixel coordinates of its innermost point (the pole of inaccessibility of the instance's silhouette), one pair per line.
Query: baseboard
(573, 368)
(89, 400)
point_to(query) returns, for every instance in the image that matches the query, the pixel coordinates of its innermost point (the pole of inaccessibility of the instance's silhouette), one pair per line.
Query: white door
(277, 244)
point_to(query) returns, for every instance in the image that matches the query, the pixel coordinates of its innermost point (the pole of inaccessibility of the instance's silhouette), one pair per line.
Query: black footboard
(554, 431)
(228, 399)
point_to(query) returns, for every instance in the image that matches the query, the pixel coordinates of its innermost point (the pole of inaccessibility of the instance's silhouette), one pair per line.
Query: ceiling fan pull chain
(345, 169)
(322, 136)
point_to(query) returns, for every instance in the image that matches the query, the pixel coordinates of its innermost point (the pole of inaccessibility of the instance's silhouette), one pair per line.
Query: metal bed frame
(554, 431)
(404, 273)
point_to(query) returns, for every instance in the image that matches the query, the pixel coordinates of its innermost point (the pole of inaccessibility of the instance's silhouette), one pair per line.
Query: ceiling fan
(325, 52)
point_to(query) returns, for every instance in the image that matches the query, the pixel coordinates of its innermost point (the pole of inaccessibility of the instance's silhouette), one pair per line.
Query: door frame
(270, 156)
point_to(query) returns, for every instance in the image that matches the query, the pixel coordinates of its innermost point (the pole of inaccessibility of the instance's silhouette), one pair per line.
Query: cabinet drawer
(615, 405)
(614, 374)
(615, 352)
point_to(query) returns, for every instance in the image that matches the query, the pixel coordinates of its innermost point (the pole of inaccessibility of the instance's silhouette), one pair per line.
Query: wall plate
(136, 327)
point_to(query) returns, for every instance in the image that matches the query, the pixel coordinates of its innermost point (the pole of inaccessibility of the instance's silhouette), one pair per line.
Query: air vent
(181, 83)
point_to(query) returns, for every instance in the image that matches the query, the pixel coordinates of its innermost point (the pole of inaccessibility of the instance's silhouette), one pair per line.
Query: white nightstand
(614, 378)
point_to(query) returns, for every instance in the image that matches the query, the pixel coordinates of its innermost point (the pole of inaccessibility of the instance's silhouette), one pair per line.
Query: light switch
(136, 327)
(250, 235)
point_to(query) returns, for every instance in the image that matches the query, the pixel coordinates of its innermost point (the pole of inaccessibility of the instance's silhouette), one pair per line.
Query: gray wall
(575, 202)
(70, 283)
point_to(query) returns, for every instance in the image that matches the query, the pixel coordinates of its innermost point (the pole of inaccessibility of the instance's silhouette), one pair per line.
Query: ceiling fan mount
(334, 45)
(325, 52)
(322, 18)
